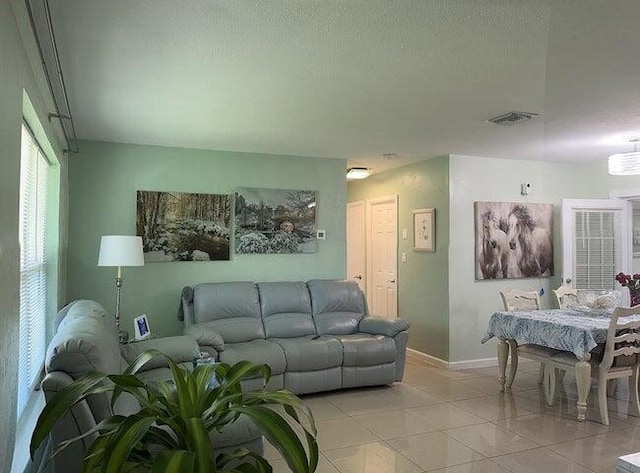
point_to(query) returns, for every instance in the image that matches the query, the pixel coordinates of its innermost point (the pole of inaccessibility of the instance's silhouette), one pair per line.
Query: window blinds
(33, 268)
(597, 249)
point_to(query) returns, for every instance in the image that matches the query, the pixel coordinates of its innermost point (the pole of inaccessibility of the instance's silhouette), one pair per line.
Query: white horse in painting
(532, 244)
(495, 248)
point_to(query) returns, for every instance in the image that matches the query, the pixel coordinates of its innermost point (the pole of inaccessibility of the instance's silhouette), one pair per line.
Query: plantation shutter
(33, 267)
(597, 248)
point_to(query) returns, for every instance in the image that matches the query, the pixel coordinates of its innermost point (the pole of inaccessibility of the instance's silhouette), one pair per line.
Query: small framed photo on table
(424, 225)
(141, 327)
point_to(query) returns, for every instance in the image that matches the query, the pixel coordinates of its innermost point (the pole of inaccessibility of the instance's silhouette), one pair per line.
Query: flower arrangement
(626, 280)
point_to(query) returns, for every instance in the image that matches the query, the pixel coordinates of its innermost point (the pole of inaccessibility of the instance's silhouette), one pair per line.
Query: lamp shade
(121, 250)
(624, 164)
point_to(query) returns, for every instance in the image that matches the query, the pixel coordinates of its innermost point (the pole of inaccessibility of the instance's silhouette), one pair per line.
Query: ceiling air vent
(511, 118)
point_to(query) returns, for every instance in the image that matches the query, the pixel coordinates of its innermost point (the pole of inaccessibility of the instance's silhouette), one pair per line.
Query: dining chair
(517, 299)
(618, 358)
(566, 296)
(514, 300)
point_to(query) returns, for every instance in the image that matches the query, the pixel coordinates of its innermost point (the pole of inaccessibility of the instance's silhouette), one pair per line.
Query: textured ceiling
(356, 78)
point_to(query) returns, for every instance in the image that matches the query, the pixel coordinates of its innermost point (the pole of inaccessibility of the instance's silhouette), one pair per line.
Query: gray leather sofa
(315, 336)
(86, 340)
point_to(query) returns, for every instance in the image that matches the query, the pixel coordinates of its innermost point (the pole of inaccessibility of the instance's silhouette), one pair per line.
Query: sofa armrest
(181, 349)
(205, 336)
(382, 326)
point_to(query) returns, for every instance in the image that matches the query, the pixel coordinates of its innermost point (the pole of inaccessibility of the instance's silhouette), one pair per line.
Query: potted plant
(170, 432)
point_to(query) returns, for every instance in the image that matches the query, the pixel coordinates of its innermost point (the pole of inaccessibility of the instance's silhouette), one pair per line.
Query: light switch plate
(404, 257)
(404, 234)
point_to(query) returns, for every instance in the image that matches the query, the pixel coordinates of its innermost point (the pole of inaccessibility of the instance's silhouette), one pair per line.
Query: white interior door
(596, 242)
(382, 256)
(356, 243)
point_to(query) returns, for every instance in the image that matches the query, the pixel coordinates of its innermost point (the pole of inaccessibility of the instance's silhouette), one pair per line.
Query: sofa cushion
(233, 308)
(286, 309)
(305, 354)
(363, 349)
(337, 306)
(258, 351)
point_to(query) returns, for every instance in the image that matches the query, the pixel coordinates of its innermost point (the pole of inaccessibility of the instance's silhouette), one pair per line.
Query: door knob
(393, 281)
(357, 276)
(568, 280)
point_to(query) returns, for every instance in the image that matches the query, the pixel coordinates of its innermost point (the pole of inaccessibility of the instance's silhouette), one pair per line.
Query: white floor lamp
(120, 250)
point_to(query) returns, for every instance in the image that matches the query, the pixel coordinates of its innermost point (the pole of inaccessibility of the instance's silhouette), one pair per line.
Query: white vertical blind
(597, 249)
(33, 268)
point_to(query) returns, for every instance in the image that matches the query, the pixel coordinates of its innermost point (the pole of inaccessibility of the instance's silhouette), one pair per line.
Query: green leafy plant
(170, 432)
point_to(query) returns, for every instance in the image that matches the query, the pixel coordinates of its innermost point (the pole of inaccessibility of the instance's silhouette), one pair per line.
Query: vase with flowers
(633, 284)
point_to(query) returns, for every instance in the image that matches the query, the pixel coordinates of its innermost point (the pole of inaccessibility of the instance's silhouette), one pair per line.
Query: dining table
(577, 330)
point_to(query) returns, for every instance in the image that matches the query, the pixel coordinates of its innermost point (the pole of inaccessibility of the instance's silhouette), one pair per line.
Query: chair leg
(549, 383)
(602, 399)
(612, 385)
(541, 374)
(513, 366)
(633, 387)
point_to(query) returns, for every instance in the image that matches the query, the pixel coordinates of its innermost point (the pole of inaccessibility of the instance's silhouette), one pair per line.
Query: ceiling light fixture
(626, 164)
(358, 173)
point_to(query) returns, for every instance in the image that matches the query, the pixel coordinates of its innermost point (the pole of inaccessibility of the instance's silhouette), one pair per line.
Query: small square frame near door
(424, 225)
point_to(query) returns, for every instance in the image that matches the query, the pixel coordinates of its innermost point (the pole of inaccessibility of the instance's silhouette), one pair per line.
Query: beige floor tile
(446, 416)
(394, 424)
(451, 390)
(485, 384)
(539, 460)
(482, 466)
(493, 408)
(491, 440)
(324, 466)
(594, 452)
(374, 457)
(434, 450)
(322, 409)
(337, 433)
(354, 402)
(405, 396)
(544, 429)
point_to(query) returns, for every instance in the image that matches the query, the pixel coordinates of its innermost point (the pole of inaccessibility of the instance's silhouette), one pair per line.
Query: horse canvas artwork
(513, 240)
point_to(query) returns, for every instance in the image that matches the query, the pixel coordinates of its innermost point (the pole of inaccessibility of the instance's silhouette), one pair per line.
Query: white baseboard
(451, 365)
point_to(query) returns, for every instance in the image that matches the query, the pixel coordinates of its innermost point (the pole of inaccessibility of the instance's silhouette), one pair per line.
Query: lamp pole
(123, 335)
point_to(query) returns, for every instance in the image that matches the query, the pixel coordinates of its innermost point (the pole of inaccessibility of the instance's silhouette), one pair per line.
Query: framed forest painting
(275, 221)
(178, 226)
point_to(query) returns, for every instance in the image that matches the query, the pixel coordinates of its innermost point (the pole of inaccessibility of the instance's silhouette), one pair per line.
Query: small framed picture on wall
(424, 224)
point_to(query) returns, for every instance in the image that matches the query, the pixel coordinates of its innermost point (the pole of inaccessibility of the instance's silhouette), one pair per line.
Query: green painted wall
(474, 179)
(423, 281)
(16, 79)
(104, 179)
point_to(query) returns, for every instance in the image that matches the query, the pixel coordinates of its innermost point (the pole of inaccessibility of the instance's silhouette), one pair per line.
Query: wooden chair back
(566, 296)
(623, 338)
(517, 299)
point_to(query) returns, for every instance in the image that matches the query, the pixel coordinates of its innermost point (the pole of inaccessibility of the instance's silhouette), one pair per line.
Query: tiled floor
(457, 422)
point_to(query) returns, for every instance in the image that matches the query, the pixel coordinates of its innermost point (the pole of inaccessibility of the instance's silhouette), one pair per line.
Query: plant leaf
(61, 403)
(280, 434)
(202, 444)
(174, 461)
(125, 439)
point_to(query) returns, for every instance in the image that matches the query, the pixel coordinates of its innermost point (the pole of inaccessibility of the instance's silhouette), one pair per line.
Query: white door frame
(369, 226)
(363, 217)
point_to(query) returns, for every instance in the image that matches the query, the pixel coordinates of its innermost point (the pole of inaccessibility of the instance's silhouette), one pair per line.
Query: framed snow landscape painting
(177, 226)
(275, 221)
